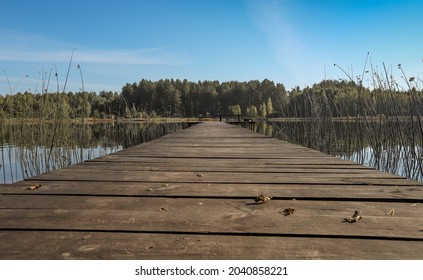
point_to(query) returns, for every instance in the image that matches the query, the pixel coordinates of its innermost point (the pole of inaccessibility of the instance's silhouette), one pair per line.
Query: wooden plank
(65, 245)
(234, 161)
(181, 215)
(220, 177)
(225, 149)
(212, 171)
(224, 166)
(207, 167)
(278, 191)
(312, 159)
(195, 166)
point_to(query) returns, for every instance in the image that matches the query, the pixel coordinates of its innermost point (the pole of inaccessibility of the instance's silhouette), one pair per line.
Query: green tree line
(182, 98)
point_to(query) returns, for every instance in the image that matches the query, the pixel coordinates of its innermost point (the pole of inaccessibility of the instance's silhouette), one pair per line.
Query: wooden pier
(192, 195)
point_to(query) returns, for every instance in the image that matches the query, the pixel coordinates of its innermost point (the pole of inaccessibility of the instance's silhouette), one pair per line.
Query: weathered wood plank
(224, 160)
(234, 161)
(181, 215)
(259, 150)
(122, 246)
(194, 166)
(208, 167)
(205, 190)
(219, 177)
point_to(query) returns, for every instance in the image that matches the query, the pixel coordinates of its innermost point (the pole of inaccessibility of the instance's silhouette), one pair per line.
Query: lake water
(393, 146)
(31, 149)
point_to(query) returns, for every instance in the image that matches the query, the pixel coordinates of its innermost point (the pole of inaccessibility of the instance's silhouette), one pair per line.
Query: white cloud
(28, 54)
(272, 18)
(154, 56)
(276, 19)
(158, 56)
(15, 46)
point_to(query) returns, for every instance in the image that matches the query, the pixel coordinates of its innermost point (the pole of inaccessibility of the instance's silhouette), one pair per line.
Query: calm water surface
(30, 149)
(387, 146)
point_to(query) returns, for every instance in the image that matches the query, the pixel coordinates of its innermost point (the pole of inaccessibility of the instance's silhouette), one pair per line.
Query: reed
(379, 126)
(27, 149)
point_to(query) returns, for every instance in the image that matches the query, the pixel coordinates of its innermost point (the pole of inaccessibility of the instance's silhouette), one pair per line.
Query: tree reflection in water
(390, 145)
(27, 150)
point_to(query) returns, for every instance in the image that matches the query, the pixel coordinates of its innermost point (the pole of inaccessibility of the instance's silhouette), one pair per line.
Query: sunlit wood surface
(192, 195)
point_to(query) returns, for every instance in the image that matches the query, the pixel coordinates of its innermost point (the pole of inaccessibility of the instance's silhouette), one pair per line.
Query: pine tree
(263, 110)
(269, 106)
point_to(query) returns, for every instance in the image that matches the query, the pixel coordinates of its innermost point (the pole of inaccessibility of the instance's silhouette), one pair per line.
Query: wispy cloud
(22, 47)
(34, 57)
(277, 20)
(157, 56)
(149, 56)
(273, 19)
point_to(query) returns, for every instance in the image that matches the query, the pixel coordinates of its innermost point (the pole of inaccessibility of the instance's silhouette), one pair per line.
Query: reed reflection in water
(27, 150)
(393, 146)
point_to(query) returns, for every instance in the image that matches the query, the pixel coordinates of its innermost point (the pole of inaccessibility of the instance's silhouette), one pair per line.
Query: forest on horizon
(183, 98)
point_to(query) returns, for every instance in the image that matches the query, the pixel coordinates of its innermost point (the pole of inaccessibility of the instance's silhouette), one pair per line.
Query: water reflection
(391, 146)
(27, 150)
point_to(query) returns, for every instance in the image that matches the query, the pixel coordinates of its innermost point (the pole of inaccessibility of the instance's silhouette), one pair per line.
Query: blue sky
(294, 42)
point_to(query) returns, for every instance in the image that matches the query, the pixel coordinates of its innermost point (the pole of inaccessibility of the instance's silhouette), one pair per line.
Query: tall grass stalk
(379, 126)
